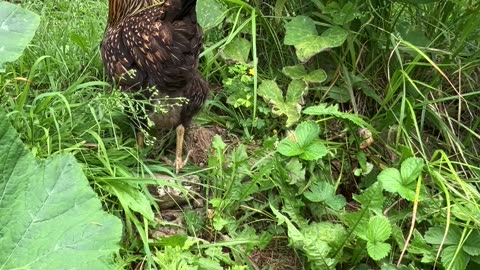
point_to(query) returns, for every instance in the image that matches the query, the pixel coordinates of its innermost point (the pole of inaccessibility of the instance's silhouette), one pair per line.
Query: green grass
(410, 73)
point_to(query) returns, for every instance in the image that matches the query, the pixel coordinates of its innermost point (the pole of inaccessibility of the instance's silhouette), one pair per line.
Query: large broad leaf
(451, 259)
(290, 105)
(17, 28)
(301, 32)
(435, 235)
(210, 13)
(50, 218)
(237, 50)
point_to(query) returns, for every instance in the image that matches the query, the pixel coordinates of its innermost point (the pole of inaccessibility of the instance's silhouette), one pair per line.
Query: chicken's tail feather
(187, 7)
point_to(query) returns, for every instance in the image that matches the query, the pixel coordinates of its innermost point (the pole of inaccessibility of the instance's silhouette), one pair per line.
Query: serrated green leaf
(322, 109)
(472, 244)
(316, 76)
(295, 72)
(336, 202)
(253, 239)
(289, 148)
(372, 198)
(434, 235)
(303, 142)
(306, 133)
(411, 169)
(210, 13)
(50, 216)
(299, 29)
(320, 192)
(453, 260)
(216, 202)
(378, 250)
(325, 109)
(238, 49)
(314, 151)
(379, 229)
(392, 181)
(362, 160)
(17, 28)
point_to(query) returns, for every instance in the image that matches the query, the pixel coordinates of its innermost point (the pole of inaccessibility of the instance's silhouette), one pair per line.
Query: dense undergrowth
(352, 133)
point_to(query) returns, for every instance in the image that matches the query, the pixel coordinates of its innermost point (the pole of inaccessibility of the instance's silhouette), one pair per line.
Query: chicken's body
(153, 46)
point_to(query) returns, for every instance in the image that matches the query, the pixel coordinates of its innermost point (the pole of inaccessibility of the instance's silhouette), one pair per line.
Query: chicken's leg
(179, 163)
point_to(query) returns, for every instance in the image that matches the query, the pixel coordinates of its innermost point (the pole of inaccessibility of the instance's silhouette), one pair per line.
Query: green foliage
(180, 257)
(319, 241)
(50, 215)
(210, 13)
(346, 128)
(238, 50)
(458, 249)
(378, 231)
(18, 28)
(303, 143)
(404, 181)
(289, 104)
(299, 72)
(302, 33)
(324, 109)
(239, 87)
(325, 193)
(372, 198)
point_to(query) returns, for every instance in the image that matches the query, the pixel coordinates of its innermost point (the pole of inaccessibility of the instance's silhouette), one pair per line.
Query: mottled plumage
(153, 46)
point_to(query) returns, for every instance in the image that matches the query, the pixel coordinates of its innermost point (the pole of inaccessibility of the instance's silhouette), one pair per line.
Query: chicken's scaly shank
(152, 47)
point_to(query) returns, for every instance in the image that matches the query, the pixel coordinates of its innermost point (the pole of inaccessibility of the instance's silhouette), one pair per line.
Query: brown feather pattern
(151, 44)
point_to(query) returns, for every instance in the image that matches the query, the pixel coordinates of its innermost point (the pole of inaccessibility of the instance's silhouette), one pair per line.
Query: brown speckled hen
(152, 47)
